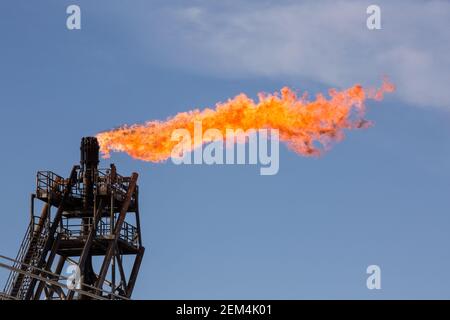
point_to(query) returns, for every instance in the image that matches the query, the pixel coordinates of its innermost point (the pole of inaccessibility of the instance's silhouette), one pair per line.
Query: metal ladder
(30, 253)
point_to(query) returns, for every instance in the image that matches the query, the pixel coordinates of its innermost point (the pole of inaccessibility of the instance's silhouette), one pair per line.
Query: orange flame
(302, 124)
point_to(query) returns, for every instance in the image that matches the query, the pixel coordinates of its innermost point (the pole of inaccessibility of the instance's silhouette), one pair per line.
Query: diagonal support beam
(118, 227)
(135, 271)
(121, 271)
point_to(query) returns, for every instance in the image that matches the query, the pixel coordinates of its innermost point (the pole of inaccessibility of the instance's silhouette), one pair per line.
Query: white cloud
(325, 41)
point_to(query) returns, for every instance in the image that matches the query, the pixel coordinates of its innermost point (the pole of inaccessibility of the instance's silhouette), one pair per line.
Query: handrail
(20, 255)
(32, 237)
(55, 283)
(128, 232)
(49, 182)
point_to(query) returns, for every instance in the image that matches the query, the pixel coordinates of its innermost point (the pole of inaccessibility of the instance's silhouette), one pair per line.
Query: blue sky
(379, 197)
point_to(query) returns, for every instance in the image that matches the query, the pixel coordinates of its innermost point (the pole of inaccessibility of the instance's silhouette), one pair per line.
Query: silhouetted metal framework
(92, 213)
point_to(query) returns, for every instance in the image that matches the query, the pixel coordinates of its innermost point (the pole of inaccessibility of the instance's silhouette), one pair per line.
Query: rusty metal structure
(92, 214)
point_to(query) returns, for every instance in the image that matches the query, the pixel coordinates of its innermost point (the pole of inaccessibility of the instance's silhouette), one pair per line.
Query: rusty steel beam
(135, 271)
(121, 271)
(49, 281)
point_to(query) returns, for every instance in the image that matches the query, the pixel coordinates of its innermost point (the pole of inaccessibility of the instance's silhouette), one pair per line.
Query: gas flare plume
(308, 127)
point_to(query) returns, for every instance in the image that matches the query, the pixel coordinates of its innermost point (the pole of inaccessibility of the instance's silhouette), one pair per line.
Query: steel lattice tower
(94, 213)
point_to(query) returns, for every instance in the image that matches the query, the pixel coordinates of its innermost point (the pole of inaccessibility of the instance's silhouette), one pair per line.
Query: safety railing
(118, 185)
(49, 182)
(79, 228)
